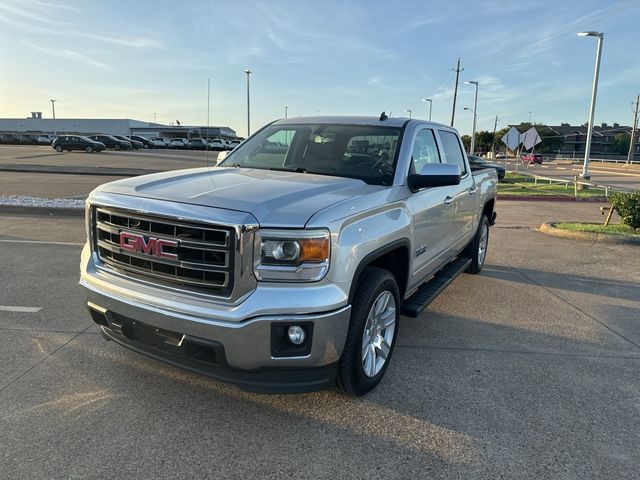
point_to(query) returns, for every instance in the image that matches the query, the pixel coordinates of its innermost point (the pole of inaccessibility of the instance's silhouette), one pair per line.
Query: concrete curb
(28, 210)
(73, 170)
(551, 198)
(550, 229)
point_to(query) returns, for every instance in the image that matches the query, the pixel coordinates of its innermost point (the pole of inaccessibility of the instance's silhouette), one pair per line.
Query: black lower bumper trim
(210, 361)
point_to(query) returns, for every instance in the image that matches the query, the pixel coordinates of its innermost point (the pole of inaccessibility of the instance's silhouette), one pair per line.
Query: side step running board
(428, 291)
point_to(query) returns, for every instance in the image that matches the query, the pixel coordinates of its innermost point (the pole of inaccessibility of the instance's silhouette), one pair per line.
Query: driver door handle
(473, 190)
(448, 200)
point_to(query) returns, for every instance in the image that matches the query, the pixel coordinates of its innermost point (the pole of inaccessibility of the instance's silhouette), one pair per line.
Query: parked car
(501, 156)
(235, 143)
(532, 158)
(160, 142)
(478, 163)
(135, 144)
(292, 279)
(146, 142)
(197, 144)
(46, 139)
(179, 143)
(112, 142)
(216, 144)
(77, 142)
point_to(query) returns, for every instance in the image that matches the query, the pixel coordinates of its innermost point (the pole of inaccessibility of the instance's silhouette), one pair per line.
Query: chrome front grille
(195, 256)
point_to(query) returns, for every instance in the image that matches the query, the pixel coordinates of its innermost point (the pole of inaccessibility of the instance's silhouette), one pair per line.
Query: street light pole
(473, 143)
(408, 110)
(587, 149)
(248, 72)
(430, 105)
(53, 107)
(475, 115)
(286, 108)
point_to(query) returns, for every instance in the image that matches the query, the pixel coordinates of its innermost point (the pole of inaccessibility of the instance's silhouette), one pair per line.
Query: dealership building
(36, 125)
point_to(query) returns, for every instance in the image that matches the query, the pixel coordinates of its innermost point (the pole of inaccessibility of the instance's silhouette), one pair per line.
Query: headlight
(291, 255)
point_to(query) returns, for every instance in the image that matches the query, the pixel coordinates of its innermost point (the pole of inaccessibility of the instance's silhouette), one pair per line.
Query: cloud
(58, 5)
(375, 80)
(32, 23)
(68, 54)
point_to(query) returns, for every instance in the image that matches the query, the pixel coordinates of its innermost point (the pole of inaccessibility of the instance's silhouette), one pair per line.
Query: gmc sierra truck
(286, 267)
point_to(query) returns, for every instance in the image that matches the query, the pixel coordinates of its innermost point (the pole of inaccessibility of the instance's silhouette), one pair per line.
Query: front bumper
(208, 358)
(239, 351)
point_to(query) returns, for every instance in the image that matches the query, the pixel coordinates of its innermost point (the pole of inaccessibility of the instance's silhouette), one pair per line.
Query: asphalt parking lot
(528, 370)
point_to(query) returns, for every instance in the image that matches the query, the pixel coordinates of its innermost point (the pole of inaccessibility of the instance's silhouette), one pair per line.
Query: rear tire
(375, 315)
(477, 249)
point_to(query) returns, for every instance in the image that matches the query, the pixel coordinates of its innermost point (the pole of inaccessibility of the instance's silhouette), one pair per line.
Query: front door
(430, 212)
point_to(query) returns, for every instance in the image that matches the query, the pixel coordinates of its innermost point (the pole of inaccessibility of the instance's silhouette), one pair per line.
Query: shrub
(628, 207)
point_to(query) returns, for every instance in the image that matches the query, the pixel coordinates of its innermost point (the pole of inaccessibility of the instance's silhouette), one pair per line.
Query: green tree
(483, 141)
(621, 143)
(466, 141)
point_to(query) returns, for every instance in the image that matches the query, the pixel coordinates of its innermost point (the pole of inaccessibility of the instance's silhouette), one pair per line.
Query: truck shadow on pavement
(622, 289)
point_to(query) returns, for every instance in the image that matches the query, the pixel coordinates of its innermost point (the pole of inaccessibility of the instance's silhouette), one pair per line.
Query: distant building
(36, 125)
(575, 138)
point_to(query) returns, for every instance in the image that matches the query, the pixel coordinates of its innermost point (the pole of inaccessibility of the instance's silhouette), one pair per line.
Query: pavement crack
(517, 352)
(43, 359)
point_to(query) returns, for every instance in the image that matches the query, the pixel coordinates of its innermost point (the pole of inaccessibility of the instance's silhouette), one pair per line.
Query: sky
(134, 59)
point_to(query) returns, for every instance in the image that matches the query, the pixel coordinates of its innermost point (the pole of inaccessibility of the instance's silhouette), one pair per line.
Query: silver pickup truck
(286, 267)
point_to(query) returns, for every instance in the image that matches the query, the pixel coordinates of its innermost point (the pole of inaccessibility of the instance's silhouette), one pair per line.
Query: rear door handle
(448, 200)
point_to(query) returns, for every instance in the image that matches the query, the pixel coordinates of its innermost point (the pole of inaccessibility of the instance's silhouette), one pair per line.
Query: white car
(179, 143)
(235, 143)
(160, 142)
(216, 144)
(46, 139)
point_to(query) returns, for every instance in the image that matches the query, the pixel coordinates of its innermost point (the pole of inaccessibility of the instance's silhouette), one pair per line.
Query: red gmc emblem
(132, 242)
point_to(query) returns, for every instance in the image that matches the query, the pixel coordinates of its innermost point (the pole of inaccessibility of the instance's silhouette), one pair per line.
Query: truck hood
(274, 198)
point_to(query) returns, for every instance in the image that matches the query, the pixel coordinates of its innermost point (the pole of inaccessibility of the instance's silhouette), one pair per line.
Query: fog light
(296, 334)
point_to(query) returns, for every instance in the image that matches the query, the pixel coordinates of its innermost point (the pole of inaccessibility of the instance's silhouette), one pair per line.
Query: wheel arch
(393, 257)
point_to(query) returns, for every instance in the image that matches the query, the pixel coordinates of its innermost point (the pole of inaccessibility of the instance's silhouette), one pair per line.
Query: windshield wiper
(296, 169)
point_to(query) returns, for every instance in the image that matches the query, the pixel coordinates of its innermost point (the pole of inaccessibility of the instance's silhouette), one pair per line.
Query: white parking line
(42, 242)
(13, 308)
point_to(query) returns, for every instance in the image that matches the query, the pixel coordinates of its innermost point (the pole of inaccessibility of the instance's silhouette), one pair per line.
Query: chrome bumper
(246, 342)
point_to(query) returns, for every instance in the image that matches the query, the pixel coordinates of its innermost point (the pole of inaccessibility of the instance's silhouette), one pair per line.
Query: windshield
(354, 151)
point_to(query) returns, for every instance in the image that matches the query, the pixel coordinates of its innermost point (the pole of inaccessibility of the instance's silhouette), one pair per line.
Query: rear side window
(452, 150)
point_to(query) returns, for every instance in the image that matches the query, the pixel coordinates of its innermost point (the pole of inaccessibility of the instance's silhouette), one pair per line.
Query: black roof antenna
(383, 117)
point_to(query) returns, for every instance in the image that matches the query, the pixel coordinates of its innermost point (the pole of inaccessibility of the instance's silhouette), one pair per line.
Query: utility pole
(248, 73)
(455, 91)
(493, 139)
(53, 107)
(632, 142)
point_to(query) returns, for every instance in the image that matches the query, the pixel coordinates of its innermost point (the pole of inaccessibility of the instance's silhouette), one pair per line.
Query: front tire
(88, 149)
(375, 315)
(59, 149)
(116, 147)
(477, 249)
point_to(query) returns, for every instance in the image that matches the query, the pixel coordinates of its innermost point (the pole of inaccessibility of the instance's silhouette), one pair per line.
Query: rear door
(430, 213)
(463, 196)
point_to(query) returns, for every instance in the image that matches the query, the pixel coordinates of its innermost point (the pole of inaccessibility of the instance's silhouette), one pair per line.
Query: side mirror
(435, 175)
(221, 156)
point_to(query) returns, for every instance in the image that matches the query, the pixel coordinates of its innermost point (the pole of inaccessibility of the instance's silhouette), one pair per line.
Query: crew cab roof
(356, 120)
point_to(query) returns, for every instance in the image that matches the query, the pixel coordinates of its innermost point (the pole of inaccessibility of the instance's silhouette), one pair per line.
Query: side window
(452, 150)
(425, 150)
